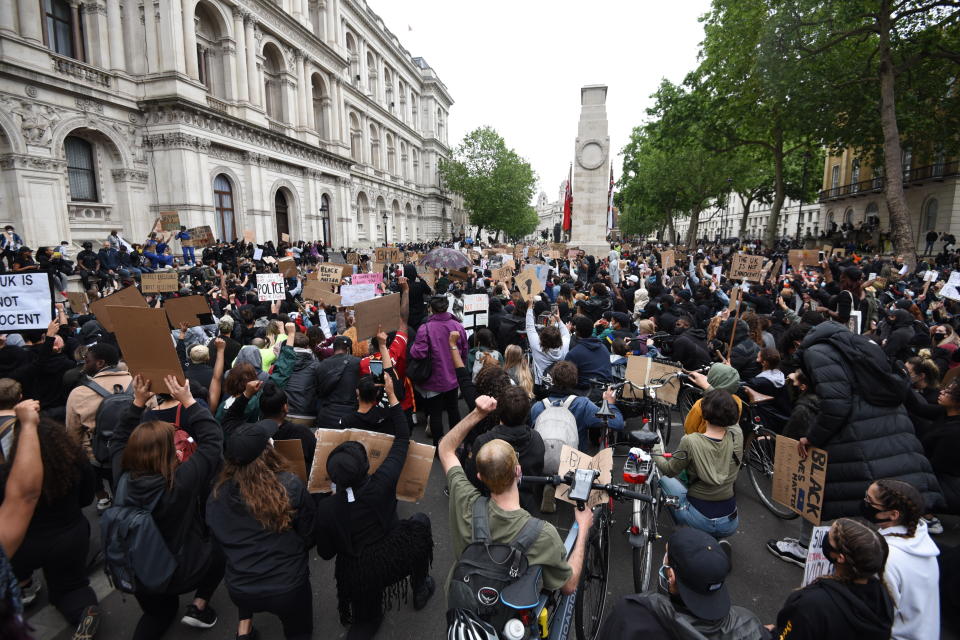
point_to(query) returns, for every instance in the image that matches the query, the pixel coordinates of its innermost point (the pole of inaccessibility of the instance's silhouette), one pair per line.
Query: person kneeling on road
(696, 602)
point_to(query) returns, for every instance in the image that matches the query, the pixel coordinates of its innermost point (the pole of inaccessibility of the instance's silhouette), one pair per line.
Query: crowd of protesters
(855, 353)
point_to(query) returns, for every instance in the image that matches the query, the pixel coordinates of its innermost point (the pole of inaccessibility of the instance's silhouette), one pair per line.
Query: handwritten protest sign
(798, 482)
(270, 286)
(352, 294)
(329, 273)
(126, 297)
(202, 236)
(159, 282)
(367, 278)
(951, 290)
(412, 483)
(746, 267)
(25, 302)
(377, 313)
(817, 564)
(169, 221)
(503, 274)
(529, 283)
(387, 254)
(476, 310)
(353, 258)
(571, 459)
(144, 337)
(572, 253)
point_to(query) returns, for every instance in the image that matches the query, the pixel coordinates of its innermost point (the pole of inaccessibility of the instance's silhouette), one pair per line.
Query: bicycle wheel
(592, 591)
(686, 399)
(759, 460)
(644, 520)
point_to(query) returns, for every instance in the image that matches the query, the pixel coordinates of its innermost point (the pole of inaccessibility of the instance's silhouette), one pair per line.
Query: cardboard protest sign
(456, 274)
(284, 237)
(318, 292)
(126, 297)
(249, 236)
(287, 267)
(329, 273)
(270, 286)
(382, 312)
(476, 310)
(160, 281)
(638, 373)
(669, 391)
(269, 259)
(572, 253)
(169, 221)
(735, 294)
(951, 290)
(746, 267)
(292, 452)
(503, 274)
(413, 477)
(367, 278)
(353, 258)
(202, 236)
(817, 564)
(387, 254)
(571, 459)
(669, 259)
(78, 301)
(144, 337)
(798, 482)
(25, 302)
(796, 257)
(337, 258)
(351, 294)
(529, 284)
(194, 311)
(543, 272)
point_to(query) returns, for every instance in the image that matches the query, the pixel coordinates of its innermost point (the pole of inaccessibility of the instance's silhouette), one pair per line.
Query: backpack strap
(568, 402)
(90, 384)
(481, 520)
(528, 534)
(546, 403)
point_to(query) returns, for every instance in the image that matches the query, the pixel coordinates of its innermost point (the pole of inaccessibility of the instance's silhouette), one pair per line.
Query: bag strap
(546, 403)
(481, 520)
(90, 384)
(528, 535)
(568, 402)
(176, 419)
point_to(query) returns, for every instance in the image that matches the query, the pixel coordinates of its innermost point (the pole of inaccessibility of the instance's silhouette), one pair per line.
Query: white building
(549, 213)
(724, 222)
(299, 116)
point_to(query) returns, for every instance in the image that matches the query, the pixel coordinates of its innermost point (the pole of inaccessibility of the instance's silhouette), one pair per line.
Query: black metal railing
(938, 171)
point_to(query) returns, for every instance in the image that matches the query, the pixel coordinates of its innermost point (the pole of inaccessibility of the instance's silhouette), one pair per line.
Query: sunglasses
(940, 335)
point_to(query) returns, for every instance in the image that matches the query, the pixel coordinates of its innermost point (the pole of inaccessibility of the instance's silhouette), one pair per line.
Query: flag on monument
(568, 202)
(610, 202)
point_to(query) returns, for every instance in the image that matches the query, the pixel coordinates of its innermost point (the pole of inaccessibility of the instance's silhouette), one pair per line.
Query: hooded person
(251, 355)
(378, 556)
(720, 376)
(743, 356)
(589, 354)
(898, 343)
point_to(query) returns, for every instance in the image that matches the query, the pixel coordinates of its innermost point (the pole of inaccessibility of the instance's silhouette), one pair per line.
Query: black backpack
(875, 380)
(494, 579)
(109, 414)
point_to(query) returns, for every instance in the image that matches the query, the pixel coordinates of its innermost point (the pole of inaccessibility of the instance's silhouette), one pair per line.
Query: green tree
(495, 182)
(522, 225)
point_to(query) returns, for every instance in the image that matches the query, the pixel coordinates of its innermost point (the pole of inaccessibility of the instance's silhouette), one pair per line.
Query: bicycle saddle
(644, 438)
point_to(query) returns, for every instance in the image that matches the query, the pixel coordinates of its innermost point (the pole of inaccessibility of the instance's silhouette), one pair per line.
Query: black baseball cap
(246, 443)
(701, 567)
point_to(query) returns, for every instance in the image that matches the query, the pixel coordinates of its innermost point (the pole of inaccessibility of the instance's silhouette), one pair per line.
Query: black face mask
(870, 512)
(828, 549)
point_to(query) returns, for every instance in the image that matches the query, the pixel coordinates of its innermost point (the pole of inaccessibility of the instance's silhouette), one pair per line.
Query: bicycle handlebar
(614, 490)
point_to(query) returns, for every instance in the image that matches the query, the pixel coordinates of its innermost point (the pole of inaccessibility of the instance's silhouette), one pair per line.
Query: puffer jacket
(743, 357)
(897, 344)
(863, 442)
(655, 616)
(302, 386)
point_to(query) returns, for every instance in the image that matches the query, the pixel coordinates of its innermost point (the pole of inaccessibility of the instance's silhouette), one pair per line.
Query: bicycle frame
(561, 619)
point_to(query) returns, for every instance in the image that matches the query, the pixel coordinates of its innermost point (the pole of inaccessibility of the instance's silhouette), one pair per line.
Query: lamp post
(723, 216)
(325, 223)
(385, 240)
(803, 190)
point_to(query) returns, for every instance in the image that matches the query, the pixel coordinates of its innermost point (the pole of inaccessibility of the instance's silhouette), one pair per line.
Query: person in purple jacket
(433, 340)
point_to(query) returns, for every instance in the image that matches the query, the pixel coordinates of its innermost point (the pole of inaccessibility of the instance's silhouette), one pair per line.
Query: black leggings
(446, 401)
(63, 558)
(294, 608)
(160, 610)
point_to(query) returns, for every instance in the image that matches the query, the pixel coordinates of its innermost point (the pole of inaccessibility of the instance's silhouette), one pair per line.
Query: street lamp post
(385, 239)
(803, 190)
(325, 223)
(726, 206)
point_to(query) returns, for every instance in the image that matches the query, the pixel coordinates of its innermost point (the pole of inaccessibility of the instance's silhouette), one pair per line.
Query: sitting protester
(720, 376)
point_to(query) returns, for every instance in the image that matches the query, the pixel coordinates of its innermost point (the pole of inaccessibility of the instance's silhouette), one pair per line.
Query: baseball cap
(701, 567)
(622, 319)
(633, 279)
(246, 443)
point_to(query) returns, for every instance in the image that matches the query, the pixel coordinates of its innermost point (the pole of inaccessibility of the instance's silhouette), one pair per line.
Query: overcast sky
(518, 65)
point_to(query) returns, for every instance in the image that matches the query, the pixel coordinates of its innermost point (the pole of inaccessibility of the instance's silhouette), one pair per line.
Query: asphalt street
(758, 581)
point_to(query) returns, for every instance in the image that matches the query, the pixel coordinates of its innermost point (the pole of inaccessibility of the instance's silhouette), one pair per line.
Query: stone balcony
(75, 69)
(93, 213)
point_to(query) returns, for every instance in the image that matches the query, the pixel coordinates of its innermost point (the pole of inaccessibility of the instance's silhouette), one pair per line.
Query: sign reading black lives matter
(25, 302)
(798, 482)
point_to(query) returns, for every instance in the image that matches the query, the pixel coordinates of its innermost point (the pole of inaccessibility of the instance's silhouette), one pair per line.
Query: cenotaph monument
(591, 173)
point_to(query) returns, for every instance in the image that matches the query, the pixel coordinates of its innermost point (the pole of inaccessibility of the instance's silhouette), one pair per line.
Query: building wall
(725, 221)
(312, 102)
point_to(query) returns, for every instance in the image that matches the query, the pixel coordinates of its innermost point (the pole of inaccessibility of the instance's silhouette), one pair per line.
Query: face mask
(870, 512)
(828, 549)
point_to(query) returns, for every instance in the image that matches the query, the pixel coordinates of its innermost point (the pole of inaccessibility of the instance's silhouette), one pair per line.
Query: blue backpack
(136, 557)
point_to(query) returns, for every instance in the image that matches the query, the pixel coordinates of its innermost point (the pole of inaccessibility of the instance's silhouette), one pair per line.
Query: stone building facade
(299, 116)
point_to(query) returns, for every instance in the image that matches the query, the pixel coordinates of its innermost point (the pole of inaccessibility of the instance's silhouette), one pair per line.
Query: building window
(930, 215)
(848, 216)
(855, 176)
(223, 205)
(80, 169)
(835, 179)
(58, 20)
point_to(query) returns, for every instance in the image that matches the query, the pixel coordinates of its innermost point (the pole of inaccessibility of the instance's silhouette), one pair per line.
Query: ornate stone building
(299, 116)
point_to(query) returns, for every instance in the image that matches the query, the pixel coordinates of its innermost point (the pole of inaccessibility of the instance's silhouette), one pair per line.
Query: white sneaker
(934, 526)
(103, 504)
(789, 550)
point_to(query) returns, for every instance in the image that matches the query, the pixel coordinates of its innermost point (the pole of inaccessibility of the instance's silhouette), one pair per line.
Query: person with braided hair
(851, 603)
(911, 572)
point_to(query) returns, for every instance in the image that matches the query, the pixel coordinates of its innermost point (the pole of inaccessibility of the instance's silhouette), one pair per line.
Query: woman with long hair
(846, 298)
(263, 518)
(147, 468)
(851, 603)
(515, 364)
(911, 573)
(924, 375)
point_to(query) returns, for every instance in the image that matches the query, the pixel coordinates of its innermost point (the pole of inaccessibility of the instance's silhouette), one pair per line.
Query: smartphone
(376, 369)
(820, 258)
(554, 309)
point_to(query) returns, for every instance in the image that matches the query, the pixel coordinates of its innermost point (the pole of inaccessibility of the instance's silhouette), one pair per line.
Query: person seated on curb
(720, 376)
(694, 602)
(565, 376)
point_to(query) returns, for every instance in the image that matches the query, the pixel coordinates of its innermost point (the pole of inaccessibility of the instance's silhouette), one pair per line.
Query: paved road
(759, 581)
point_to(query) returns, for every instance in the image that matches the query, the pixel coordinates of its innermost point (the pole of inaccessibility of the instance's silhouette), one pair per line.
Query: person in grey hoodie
(548, 346)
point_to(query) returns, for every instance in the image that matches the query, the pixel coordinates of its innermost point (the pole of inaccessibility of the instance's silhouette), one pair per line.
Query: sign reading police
(270, 286)
(24, 302)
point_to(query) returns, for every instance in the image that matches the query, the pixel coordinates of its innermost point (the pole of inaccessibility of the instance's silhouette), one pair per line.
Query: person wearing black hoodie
(419, 293)
(852, 603)
(145, 463)
(743, 357)
(589, 354)
(690, 345)
(897, 344)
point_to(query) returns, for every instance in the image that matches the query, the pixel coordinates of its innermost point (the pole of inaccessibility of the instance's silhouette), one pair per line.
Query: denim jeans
(686, 514)
(188, 255)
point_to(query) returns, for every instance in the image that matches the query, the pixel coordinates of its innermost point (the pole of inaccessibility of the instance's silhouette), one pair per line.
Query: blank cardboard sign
(320, 292)
(382, 312)
(126, 297)
(193, 310)
(292, 452)
(144, 337)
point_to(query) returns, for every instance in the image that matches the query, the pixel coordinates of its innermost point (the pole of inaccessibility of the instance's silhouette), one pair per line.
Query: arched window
(80, 169)
(209, 53)
(354, 59)
(388, 92)
(371, 74)
(273, 69)
(848, 216)
(223, 206)
(374, 146)
(873, 213)
(391, 155)
(58, 29)
(321, 107)
(283, 214)
(356, 139)
(930, 215)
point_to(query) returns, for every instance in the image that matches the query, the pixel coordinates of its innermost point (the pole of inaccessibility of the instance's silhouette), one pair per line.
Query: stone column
(150, 27)
(118, 60)
(171, 36)
(97, 34)
(8, 17)
(591, 173)
(301, 90)
(240, 77)
(253, 78)
(30, 22)
(309, 98)
(190, 38)
(133, 37)
(77, 34)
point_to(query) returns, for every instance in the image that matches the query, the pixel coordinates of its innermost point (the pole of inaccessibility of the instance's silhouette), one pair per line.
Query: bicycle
(585, 606)
(759, 450)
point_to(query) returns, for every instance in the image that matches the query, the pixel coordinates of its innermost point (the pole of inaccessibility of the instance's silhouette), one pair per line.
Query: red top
(398, 353)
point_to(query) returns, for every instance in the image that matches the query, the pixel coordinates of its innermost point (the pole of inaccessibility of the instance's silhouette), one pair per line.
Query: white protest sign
(931, 276)
(475, 311)
(25, 302)
(257, 253)
(950, 290)
(270, 286)
(904, 269)
(351, 294)
(543, 272)
(817, 564)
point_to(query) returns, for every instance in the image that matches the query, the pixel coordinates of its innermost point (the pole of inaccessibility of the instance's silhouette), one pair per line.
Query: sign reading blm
(25, 302)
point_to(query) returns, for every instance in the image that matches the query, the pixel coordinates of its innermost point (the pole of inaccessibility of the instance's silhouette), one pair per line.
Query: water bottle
(513, 630)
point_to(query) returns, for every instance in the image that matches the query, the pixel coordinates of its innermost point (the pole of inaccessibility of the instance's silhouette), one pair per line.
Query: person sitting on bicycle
(499, 469)
(720, 376)
(712, 462)
(695, 601)
(589, 355)
(584, 411)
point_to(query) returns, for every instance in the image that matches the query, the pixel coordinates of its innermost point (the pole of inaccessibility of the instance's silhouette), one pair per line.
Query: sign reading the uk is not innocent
(25, 302)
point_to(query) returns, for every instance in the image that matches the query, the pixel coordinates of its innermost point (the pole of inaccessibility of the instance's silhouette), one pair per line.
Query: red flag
(568, 202)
